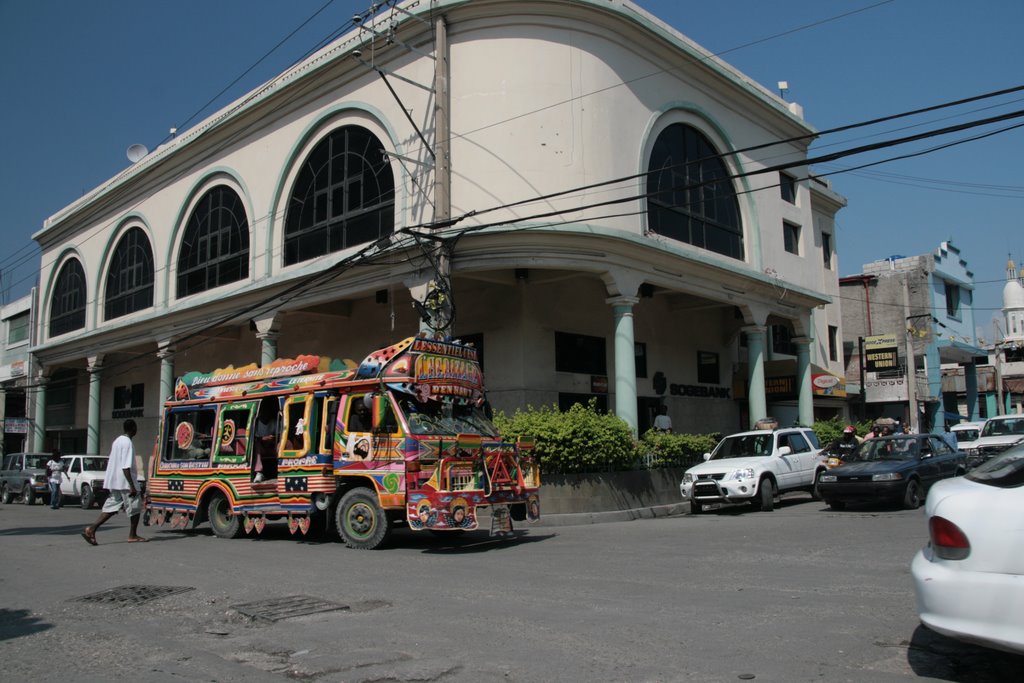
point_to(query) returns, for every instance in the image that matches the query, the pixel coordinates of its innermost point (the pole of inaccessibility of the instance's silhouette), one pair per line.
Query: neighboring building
(1007, 355)
(15, 326)
(452, 158)
(924, 304)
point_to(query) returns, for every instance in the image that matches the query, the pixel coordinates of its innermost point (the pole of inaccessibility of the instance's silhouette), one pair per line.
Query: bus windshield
(437, 417)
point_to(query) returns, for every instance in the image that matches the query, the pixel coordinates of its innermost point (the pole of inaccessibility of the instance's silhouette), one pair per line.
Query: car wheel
(837, 504)
(362, 523)
(696, 507)
(6, 496)
(912, 495)
(766, 495)
(223, 523)
(816, 488)
(87, 496)
(28, 496)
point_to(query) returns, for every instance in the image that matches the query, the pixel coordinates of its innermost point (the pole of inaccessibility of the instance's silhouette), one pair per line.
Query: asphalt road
(799, 594)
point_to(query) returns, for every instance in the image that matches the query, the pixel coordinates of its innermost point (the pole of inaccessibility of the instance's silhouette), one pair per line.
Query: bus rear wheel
(361, 521)
(223, 523)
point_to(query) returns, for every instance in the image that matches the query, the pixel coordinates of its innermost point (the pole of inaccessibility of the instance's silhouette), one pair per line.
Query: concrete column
(805, 390)
(971, 386)
(757, 405)
(268, 329)
(39, 424)
(92, 437)
(625, 360)
(165, 352)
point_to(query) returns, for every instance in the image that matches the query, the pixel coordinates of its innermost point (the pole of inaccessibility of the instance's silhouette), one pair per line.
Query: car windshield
(896, 448)
(966, 434)
(1003, 427)
(744, 446)
(94, 463)
(1005, 471)
(436, 417)
(36, 461)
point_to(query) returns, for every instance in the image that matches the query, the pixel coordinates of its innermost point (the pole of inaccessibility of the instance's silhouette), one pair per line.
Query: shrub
(662, 449)
(580, 439)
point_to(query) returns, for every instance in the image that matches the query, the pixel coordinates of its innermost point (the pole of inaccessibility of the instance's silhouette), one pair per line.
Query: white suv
(998, 434)
(84, 478)
(755, 466)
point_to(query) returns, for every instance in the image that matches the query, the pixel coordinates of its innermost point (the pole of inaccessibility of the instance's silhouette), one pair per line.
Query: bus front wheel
(223, 523)
(361, 521)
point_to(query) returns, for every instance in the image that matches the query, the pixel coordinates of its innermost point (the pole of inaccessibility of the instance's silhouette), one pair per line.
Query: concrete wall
(609, 491)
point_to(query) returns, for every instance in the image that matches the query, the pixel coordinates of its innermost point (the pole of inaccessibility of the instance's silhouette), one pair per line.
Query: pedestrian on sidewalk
(121, 481)
(55, 475)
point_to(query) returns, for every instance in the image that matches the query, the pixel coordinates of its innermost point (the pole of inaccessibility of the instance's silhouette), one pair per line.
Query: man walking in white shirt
(121, 482)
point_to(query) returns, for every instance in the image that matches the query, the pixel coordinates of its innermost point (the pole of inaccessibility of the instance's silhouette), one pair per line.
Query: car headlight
(745, 473)
(888, 476)
(827, 478)
(687, 478)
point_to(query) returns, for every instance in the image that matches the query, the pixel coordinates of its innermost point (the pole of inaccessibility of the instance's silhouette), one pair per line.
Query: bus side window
(298, 432)
(359, 419)
(329, 414)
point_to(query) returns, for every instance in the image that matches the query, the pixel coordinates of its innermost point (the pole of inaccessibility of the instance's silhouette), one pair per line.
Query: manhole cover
(276, 609)
(125, 595)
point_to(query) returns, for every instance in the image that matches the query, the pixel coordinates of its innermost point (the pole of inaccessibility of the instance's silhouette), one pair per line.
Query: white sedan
(969, 579)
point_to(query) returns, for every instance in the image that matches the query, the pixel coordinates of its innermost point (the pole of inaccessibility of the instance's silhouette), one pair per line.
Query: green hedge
(830, 430)
(582, 439)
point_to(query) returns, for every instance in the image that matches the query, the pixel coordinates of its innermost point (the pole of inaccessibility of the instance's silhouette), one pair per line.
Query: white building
(1008, 352)
(608, 196)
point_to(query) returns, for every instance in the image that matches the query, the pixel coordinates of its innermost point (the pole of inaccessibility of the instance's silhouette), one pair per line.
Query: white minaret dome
(1013, 292)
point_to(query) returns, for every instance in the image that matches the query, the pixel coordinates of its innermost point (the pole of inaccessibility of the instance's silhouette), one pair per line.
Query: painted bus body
(401, 438)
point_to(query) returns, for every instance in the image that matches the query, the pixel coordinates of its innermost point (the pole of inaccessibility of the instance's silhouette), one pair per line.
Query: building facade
(906, 320)
(15, 328)
(604, 208)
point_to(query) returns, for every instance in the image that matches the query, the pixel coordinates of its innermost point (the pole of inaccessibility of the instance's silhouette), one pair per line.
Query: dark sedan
(897, 469)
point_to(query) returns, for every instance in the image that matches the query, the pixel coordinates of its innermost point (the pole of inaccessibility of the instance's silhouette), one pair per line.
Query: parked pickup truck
(23, 477)
(755, 467)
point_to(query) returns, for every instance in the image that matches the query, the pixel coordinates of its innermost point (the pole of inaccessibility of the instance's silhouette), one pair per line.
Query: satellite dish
(137, 152)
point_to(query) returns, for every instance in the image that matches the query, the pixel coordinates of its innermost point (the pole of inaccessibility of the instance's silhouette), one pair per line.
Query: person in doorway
(663, 423)
(55, 475)
(265, 432)
(121, 482)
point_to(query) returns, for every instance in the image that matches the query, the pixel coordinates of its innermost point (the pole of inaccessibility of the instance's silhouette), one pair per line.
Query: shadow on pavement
(15, 623)
(933, 655)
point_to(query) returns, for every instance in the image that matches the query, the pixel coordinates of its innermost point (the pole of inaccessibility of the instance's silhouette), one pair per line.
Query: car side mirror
(785, 450)
(707, 456)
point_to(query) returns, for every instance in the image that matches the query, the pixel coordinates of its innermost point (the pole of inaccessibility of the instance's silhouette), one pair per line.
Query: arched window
(215, 246)
(130, 278)
(67, 307)
(691, 197)
(344, 195)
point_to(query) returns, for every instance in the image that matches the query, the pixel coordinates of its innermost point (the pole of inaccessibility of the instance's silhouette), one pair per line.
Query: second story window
(67, 307)
(130, 278)
(826, 250)
(953, 300)
(833, 343)
(791, 237)
(17, 328)
(215, 248)
(787, 187)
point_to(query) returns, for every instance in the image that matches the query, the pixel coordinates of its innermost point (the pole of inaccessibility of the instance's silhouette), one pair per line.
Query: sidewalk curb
(577, 518)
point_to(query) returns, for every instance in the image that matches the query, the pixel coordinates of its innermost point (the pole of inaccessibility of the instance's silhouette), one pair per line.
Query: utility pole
(442, 164)
(911, 362)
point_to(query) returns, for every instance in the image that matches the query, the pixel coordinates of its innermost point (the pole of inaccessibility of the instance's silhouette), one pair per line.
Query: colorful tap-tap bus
(401, 438)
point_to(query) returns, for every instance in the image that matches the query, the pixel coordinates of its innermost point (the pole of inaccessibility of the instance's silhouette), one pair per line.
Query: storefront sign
(698, 391)
(881, 353)
(16, 425)
(598, 384)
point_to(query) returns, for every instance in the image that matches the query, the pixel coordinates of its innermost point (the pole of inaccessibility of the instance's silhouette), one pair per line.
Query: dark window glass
(826, 250)
(782, 340)
(791, 237)
(130, 278)
(61, 391)
(67, 309)
(477, 342)
(215, 247)
(833, 343)
(344, 195)
(640, 353)
(707, 367)
(17, 328)
(787, 187)
(580, 353)
(953, 300)
(690, 195)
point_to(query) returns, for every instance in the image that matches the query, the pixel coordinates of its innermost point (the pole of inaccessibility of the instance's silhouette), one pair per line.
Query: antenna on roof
(136, 152)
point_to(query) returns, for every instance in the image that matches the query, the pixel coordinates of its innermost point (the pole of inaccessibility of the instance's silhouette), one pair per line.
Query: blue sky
(81, 81)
